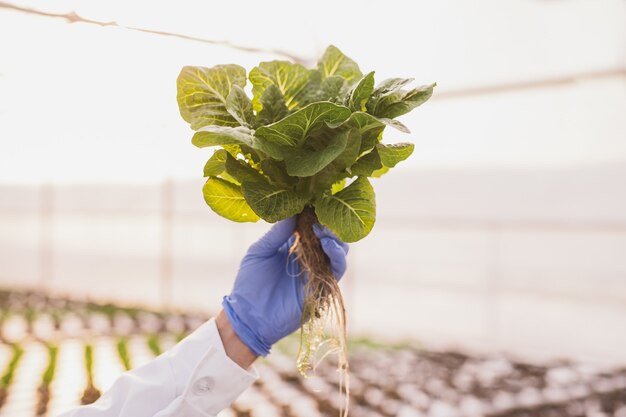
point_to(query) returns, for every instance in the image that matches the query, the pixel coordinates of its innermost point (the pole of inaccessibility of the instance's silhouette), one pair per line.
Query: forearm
(234, 347)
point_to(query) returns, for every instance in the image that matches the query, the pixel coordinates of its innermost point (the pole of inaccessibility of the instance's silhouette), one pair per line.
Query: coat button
(203, 385)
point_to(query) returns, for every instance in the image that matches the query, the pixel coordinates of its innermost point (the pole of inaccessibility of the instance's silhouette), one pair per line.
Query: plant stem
(122, 350)
(91, 393)
(154, 345)
(89, 362)
(9, 372)
(48, 375)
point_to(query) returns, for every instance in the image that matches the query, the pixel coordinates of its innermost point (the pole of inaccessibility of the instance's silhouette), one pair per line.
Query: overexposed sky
(82, 103)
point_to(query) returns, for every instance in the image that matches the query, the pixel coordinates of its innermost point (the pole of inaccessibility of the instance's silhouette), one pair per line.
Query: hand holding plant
(267, 299)
(304, 145)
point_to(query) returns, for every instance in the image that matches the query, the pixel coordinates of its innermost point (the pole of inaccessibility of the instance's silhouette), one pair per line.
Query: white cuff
(205, 376)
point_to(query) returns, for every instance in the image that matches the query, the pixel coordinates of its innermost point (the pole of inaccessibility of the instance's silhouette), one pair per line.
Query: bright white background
(505, 230)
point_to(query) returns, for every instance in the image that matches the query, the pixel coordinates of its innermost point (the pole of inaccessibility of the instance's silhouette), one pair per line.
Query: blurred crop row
(58, 353)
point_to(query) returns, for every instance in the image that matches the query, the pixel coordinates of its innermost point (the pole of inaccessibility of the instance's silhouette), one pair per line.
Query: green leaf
(410, 100)
(396, 124)
(202, 93)
(276, 171)
(302, 162)
(251, 155)
(390, 155)
(215, 165)
(361, 92)
(334, 62)
(232, 149)
(273, 106)
(383, 90)
(291, 131)
(241, 171)
(400, 102)
(331, 88)
(272, 203)
(380, 172)
(226, 199)
(288, 77)
(310, 92)
(272, 149)
(367, 164)
(220, 136)
(226, 176)
(351, 151)
(370, 127)
(239, 105)
(351, 212)
(390, 85)
(336, 170)
(338, 186)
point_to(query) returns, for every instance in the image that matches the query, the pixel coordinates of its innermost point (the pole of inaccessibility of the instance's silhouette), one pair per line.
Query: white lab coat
(193, 379)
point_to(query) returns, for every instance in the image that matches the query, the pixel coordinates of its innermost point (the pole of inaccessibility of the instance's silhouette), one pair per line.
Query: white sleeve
(193, 379)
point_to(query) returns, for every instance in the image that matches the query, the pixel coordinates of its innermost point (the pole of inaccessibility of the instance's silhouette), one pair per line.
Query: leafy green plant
(48, 374)
(89, 362)
(154, 344)
(304, 145)
(46, 380)
(57, 317)
(9, 372)
(108, 309)
(91, 393)
(30, 315)
(180, 336)
(123, 353)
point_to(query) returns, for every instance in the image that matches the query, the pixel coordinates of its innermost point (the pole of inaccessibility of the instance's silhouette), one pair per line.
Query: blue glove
(265, 304)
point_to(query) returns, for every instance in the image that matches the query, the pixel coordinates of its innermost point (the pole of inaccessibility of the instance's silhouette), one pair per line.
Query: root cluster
(323, 326)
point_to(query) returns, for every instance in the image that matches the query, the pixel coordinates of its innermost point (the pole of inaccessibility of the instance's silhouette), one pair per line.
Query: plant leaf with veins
(240, 106)
(290, 79)
(390, 155)
(291, 131)
(215, 165)
(351, 212)
(361, 92)
(202, 94)
(221, 136)
(240, 170)
(274, 107)
(303, 133)
(334, 62)
(272, 203)
(399, 102)
(226, 199)
(302, 162)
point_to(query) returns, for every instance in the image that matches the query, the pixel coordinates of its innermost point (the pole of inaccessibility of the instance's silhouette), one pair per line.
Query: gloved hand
(266, 302)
